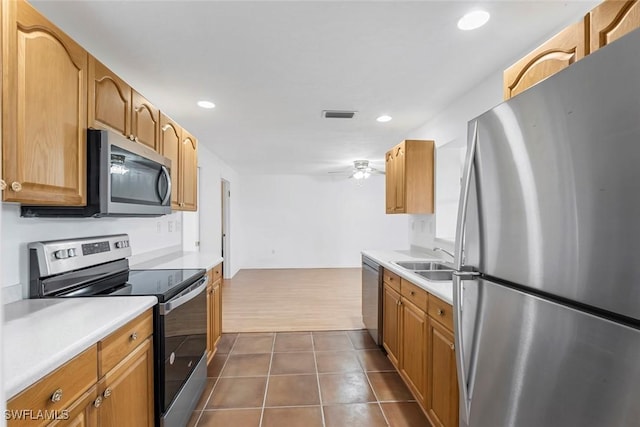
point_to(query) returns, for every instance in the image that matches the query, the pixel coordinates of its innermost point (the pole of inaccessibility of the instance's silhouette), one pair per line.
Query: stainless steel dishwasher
(372, 298)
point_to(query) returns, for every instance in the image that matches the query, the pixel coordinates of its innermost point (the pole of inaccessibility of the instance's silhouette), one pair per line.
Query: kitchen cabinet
(418, 337)
(442, 386)
(182, 148)
(109, 384)
(556, 54)
(409, 168)
(114, 105)
(611, 20)
(214, 310)
(43, 124)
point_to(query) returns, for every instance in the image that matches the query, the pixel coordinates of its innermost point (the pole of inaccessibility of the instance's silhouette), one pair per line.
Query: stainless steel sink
(423, 265)
(436, 275)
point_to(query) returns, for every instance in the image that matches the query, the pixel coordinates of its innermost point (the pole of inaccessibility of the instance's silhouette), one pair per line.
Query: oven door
(182, 338)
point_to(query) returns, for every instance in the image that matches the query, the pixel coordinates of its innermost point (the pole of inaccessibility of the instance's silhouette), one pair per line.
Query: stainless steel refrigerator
(547, 292)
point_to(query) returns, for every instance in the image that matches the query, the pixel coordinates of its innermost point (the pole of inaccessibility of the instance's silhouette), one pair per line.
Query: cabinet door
(170, 139)
(127, 390)
(145, 121)
(189, 172)
(391, 323)
(83, 413)
(109, 99)
(414, 347)
(611, 20)
(44, 111)
(390, 183)
(399, 162)
(554, 55)
(442, 381)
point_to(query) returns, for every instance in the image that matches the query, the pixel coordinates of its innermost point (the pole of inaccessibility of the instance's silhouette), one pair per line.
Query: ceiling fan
(360, 170)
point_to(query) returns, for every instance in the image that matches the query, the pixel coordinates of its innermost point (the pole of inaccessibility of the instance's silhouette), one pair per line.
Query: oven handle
(191, 293)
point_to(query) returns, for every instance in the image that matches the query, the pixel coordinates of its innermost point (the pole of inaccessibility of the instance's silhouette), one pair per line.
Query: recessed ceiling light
(206, 104)
(383, 119)
(473, 20)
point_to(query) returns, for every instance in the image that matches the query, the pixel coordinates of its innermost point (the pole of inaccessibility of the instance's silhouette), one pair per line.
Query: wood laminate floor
(292, 300)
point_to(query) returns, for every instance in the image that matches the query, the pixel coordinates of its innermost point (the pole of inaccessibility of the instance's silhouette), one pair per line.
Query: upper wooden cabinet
(44, 111)
(611, 20)
(409, 177)
(113, 104)
(554, 55)
(182, 148)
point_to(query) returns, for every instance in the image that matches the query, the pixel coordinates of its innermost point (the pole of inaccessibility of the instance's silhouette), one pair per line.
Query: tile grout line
(373, 390)
(315, 360)
(266, 386)
(215, 383)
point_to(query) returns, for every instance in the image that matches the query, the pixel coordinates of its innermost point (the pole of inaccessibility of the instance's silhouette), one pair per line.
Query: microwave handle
(167, 196)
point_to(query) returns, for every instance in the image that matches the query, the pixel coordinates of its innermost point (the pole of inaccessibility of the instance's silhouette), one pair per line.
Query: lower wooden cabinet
(214, 310)
(76, 394)
(418, 338)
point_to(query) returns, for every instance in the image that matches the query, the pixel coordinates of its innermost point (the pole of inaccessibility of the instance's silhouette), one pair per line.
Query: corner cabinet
(109, 384)
(214, 310)
(43, 124)
(409, 169)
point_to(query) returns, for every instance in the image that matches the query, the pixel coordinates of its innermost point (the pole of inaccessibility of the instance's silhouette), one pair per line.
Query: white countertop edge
(441, 289)
(14, 384)
(184, 260)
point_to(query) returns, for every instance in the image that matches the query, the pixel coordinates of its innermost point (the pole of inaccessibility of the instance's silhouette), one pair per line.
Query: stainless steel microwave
(124, 178)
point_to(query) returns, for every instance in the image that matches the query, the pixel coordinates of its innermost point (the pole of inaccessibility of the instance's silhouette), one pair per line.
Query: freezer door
(556, 184)
(533, 363)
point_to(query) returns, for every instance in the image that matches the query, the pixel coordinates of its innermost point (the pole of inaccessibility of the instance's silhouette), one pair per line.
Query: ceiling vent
(335, 114)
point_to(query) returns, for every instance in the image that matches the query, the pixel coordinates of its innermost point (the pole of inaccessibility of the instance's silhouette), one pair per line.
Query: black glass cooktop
(163, 284)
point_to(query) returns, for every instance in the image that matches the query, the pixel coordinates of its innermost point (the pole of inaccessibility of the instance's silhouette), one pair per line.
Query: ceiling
(271, 67)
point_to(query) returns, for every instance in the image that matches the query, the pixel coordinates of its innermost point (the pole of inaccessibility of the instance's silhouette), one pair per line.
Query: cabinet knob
(136, 139)
(106, 393)
(97, 402)
(131, 137)
(440, 312)
(453, 347)
(3, 185)
(16, 186)
(56, 396)
(134, 336)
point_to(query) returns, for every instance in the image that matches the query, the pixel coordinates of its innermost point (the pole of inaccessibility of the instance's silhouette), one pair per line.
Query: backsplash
(146, 235)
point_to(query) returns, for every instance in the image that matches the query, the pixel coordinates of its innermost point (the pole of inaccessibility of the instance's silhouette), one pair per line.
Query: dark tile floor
(309, 379)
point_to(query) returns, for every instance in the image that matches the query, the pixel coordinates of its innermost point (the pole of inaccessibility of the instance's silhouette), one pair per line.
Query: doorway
(225, 229)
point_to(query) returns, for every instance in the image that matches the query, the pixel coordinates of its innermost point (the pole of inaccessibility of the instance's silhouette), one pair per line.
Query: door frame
(225, 227)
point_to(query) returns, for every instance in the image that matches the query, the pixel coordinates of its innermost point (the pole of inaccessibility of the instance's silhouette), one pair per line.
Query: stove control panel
(59, 256)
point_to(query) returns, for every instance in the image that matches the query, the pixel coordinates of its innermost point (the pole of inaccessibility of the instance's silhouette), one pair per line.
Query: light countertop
(177, 260)
(40, 335)
(441, 289)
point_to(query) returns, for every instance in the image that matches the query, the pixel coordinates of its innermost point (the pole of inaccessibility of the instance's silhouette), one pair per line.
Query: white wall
(212, 171)
(449, 131)
(294, 221)
(146, 234)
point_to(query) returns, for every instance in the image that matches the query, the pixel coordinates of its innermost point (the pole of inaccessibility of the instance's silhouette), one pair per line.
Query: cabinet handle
(453, 347)
(16, 186)
(3, 185)
(106, 393)
(134, 336)
(440, 312)
(97, 402)
(136, 139)
(131, 137)
(56, 396)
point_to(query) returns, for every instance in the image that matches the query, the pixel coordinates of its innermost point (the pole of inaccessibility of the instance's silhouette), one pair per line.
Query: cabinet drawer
(391, 279)
(415, 294)
(217, 272)
(441, 311)
(59, 389)
(120, 343)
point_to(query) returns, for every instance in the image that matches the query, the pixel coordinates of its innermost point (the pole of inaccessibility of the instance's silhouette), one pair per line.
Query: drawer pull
(97, 402)
(440, 312)
(134, 336)
(106, 393)
(56, 396)
(16, 186)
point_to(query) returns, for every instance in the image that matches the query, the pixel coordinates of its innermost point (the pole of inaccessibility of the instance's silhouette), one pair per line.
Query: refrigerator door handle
(465, 398)
(464, 197)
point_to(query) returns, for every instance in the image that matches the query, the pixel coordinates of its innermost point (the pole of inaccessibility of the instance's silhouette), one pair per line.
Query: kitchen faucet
(445, 251)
